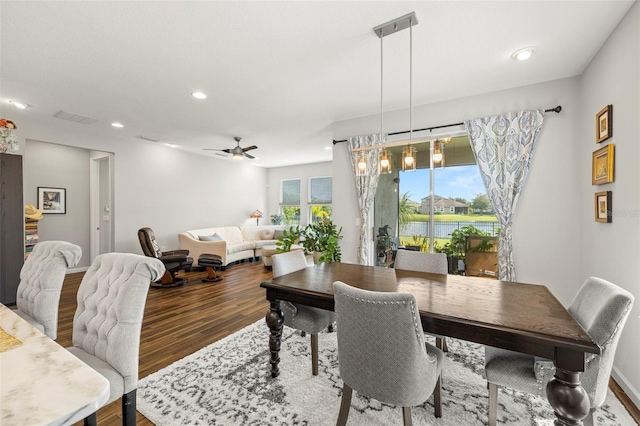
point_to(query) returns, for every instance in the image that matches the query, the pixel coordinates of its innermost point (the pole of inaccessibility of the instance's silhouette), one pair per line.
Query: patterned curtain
(365, 189)
(503, 146)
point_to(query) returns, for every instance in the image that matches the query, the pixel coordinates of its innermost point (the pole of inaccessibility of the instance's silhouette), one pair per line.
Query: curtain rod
(556, 110)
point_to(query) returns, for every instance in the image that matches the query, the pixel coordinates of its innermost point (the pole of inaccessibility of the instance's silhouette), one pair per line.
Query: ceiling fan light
(237, 156)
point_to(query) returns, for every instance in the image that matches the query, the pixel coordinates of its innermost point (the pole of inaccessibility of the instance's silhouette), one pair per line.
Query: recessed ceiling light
(523, 54)
(18, 104)
(172, 145)
(199, 95)
(118, 125)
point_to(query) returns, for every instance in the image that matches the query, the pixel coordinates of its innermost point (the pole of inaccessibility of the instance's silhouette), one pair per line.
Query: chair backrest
(111, 300)
(601, 308)
(435, 263)
(41, 279)
(285, 263)
(148, 243)
(381, 347)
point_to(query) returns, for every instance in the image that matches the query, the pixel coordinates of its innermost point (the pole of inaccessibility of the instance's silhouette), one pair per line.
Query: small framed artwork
(603, 206)
(52, 200)
(602, 165)
(604, 124)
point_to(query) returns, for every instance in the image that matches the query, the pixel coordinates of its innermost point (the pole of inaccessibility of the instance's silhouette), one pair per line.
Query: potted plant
(322, 238)
(289, 237)
(276, 219)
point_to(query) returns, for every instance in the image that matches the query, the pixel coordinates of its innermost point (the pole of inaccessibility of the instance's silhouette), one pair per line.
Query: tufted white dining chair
(381, 350)
(41, 279)
(435, 263)
(301, 317)
(601, 308)
(107, 323)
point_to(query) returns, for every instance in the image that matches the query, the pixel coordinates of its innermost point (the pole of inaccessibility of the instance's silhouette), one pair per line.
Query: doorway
(101, 210)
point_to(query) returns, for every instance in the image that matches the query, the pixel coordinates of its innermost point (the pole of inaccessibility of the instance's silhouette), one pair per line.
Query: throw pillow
(214, 237)
(278, 234)
(267, 234)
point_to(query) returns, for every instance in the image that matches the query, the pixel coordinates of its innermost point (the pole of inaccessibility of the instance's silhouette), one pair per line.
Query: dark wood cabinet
(11, 226)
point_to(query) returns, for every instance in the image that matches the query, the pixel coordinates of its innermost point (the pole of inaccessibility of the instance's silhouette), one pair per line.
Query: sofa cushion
(267, 234)
(214, 237)
(240, 246)
(262, 243)
(228, 233)
(278, 234)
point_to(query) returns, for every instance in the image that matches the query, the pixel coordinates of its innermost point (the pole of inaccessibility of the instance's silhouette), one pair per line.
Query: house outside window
(290, 201)
(320, 198)
(452, 209)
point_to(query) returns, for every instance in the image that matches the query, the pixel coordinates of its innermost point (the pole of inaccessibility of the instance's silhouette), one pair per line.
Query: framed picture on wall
(52, 200)
(604, 124)
(602, 165)
(603, 206)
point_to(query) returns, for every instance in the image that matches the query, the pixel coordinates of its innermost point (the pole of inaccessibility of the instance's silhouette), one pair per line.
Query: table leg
(275, 319)
(568, 398)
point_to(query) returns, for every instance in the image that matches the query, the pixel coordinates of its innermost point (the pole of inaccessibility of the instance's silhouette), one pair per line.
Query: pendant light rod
(556, 110)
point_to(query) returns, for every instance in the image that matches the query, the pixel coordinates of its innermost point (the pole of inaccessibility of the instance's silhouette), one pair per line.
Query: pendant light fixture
(361, 165)
(437, 153)
(409, 153)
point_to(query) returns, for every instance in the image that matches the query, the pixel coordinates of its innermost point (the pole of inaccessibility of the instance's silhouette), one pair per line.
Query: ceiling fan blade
(211, 149)
(249, 148)
(228, 151)
(249, 156)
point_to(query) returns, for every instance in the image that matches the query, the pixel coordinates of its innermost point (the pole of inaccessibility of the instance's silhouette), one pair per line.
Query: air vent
(76, 118)
(144, 138)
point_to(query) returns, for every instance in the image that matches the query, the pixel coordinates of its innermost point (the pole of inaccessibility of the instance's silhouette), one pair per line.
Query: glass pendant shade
(385, 161)
(437, 153)
(361, 165)
(409, 159)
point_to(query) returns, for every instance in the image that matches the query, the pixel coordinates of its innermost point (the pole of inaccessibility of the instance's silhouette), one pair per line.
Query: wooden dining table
(521, 317)
(41, 383)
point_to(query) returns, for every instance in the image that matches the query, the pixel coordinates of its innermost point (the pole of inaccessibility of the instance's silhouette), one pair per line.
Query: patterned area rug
(228, 383)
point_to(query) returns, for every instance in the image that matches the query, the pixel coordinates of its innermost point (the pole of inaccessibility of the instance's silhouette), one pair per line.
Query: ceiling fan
(238, 152)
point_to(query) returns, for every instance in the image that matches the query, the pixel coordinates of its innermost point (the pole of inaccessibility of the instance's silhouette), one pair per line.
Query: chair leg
(345, 405)
(406, 416)
(441, 343)
(437, 398)
(129, 408)
(91, 420)
(493, 403)
(588, 421)
(314, 354)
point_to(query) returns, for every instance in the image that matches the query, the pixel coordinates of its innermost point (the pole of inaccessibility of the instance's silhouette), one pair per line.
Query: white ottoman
(268, 251)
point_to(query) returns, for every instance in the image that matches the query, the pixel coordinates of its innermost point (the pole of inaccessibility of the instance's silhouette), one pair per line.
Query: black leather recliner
(173, 260)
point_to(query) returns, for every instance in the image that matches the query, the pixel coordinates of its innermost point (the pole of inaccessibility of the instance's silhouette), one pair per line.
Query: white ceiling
(276, 74)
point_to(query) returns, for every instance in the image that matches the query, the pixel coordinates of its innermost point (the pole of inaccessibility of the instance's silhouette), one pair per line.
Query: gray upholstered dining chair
(601, 308)
(107, 323)
(304, 318)
(41, 279)
(381, 350)
(435, 263)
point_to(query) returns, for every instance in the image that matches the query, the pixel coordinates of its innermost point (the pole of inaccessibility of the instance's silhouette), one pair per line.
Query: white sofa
(237, 242)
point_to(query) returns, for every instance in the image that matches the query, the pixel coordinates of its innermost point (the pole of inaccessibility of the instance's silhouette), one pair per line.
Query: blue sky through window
(450, 182)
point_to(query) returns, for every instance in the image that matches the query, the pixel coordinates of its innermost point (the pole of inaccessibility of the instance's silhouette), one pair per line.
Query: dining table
(516, 316)
(41, 383)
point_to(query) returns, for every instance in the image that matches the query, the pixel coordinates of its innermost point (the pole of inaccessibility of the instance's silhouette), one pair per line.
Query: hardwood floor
(179, 321)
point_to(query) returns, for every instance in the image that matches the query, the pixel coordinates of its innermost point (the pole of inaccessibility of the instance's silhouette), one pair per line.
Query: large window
(290, 201)
(320, 198)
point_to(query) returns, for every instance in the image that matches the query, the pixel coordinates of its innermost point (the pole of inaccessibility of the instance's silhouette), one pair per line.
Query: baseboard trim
(74, 270)
(631, 392)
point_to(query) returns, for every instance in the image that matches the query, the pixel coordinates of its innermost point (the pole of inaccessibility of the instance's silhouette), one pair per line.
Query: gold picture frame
(603, 206)
(604, 124)
(602, 170)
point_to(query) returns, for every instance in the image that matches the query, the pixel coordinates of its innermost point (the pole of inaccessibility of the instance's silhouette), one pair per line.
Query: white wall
(166, 189)
(302, 172)
(58, 166)
(612, 250)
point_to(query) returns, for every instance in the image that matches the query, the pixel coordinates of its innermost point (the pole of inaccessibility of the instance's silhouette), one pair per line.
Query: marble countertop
(41, 383)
